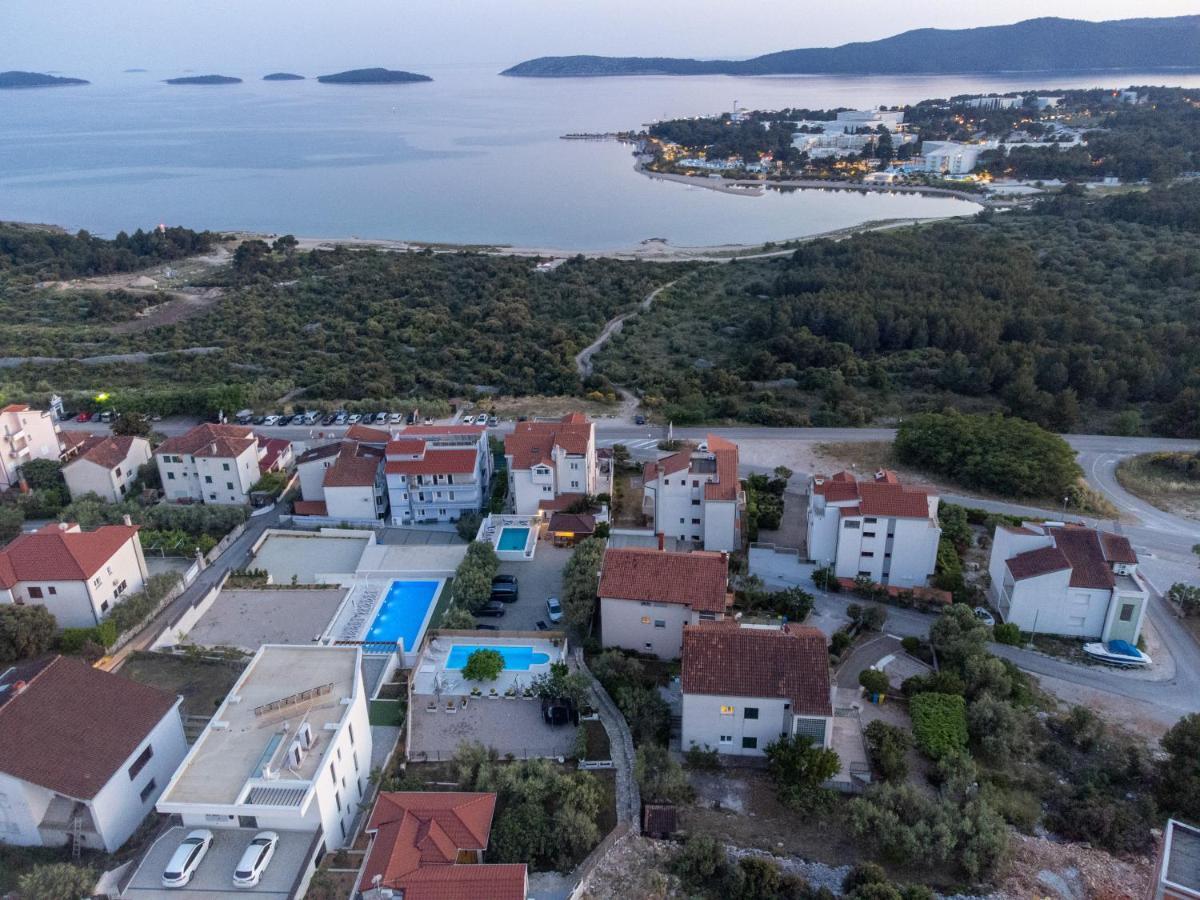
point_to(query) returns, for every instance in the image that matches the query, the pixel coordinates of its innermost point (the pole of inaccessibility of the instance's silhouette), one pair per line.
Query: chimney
(125, 519)
(662, 541)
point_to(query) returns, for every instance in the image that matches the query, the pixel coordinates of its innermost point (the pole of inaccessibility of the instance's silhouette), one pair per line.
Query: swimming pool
(403, 613)
(521, 659)
(513, 538)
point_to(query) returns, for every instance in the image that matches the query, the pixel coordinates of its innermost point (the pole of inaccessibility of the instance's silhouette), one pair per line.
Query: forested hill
(30, 254)
(1034, 45)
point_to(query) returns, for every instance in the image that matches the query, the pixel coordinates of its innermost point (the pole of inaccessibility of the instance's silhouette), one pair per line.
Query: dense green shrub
(473, 578)
(939, 723)
(887, 746)
(799, 769)
(483, 665)
(1007, 633)
(581, 579)
(874, 681)
(25, 631)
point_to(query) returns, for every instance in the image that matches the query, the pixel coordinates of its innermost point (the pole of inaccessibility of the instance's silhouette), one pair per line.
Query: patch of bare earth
(182, 305)
(635, 867)
(1175, 494)
(1043, 868)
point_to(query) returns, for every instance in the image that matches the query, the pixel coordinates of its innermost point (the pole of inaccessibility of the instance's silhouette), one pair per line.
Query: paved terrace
(306, 556)
(249, 619)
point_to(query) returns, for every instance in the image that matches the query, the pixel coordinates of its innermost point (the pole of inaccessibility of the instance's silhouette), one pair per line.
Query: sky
(85, 37)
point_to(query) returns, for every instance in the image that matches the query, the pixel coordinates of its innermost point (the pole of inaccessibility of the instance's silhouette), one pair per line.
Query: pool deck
(431, 677)
(492, 528)
(363, 603)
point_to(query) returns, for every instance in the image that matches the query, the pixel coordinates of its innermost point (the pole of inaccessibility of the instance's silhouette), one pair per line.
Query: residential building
(437, 473)
(878, 529)
(106, 466)
(746, 686)
(993, 101)
(210, 464)
(289, 749)
(952, 157)
(551, 464)
(365, 434)
(1068, 580)
(77, 575)
(1177, 868)
(648, 596)
(83, 753)
(694, 495)
(430, 846)
(343, 481)
(25, 434)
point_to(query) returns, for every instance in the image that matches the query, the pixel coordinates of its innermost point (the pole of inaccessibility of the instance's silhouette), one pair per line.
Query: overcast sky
(89, 37)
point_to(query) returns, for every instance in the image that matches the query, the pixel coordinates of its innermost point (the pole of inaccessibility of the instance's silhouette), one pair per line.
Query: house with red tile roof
(647, 596)
(106, 465)
(695, 496)
(874, 528)
(343, 480)
(210, 464)
(745, 686)
(437, 473)
(25, 434)
(80, 745)
(428, 845)
(1056, 578)
(77, 575)
(548, 460)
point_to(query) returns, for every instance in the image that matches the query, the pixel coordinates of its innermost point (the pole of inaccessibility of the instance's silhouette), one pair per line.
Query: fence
(185, 580)
(224, 543)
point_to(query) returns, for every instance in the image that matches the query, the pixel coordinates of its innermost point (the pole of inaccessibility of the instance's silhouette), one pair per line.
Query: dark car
(285, 420)
(505, 579)
(479, 626)
(541, 626)
(258, 420)
(639, 420)
(493, 610)
(328, 420)
(505, 592)
(503, 597)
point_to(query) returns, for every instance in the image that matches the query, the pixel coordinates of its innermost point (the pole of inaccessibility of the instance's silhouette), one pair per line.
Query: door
(1125, 622)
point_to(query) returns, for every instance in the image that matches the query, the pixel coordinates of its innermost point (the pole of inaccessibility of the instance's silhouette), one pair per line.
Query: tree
(799, 768)
(660, 778)
(874, 681)
(25, 631)
(57, 881)
(12, 517)
(1186, 597)
(285, 243)
(560, 682)
(1179, 773)
(957, 636)
(473, 578)
(888, 746)
(43, 474)
(483, 665)
(131, 425)
(581, 579)
(457, 618)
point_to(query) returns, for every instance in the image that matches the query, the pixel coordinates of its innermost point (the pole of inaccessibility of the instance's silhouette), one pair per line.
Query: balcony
(58, 823)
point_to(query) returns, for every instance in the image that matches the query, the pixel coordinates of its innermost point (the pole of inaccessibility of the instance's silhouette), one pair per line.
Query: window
(868, 553)
(660, 623)
(695, 482)
(695, 521)
(170, 476)
(749, 743)
(849, 523)
(726, 710)
(147, 790)
(708, 617)
(648, 645)
(870, 520)
(208, 479)
(350, 729)
(813, 729)
(726, 739)
(104, 606)
(332, 774)
(751, 712)
(695, 503)
(1127, 612)
(337, 798)
(140, 762)
(118, 471)
(96, 581)
(863, 573)
(868, 534)
(225, 466)
(35, 593)
(681, 520)
(229, 485)
(52, 590)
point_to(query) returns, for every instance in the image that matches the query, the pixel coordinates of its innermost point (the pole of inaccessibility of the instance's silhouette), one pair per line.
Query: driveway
(538, 579)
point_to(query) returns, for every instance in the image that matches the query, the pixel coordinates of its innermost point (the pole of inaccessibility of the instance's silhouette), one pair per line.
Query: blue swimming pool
(520, 659)
(403, 613)
(512, 538)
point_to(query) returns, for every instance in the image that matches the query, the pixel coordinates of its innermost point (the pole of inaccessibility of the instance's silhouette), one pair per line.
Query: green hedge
(1007, 633)
(939, 723)
(72, 639)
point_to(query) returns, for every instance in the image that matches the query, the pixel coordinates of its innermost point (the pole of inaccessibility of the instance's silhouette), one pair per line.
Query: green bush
(1007, 633)
(73, 640)
(888, 745)
(483, 665)
(911, 644)
(838, 643)
(25, 631)
(874, 681)
(473, 579)
(939, 723)
(136, 608)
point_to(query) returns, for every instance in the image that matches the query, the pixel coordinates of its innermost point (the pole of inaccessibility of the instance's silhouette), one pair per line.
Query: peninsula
(205, 79)
(16, 79)
(1045, 45)
(283, 76)
(372, 76)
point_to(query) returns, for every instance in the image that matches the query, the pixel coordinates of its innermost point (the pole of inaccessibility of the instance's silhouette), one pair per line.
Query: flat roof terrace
(283, 685)
(307, 557)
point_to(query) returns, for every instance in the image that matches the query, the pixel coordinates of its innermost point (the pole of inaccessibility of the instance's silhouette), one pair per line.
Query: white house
(344, 481)
(648, 596)
(695, 495)
(83, 753)
(210, 464)
(437, 472)
(289, 749)
(106, 466)
(551, 464)
(879, 529)
(77, 575)
(25, 434)
(1068, 580)
(952, 157)
(993, 101)
(746, 686)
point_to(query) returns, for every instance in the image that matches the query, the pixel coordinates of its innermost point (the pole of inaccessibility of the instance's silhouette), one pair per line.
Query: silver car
(554, 610)
(187, 857)
(255, 859)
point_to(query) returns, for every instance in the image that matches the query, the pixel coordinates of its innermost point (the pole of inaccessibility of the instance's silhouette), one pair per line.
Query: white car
(554, 610)
(396, 418)
(468, 420)
(271, 420)
(354, 418)
(186, 859)
(255, 859)
(984, 616)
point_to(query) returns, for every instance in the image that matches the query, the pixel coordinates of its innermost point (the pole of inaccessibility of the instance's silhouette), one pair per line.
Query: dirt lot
(1178, 495)
(203, 684)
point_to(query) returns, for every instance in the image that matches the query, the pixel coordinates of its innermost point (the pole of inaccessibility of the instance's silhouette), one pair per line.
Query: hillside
(1034, 45)
(16, 79)
(205, 79)
(373, 76)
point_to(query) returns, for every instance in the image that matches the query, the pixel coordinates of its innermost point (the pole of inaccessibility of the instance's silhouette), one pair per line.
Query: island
(373, 76)
(132, 71)
(283, 76)
(16, 79)
(1046, 45)
(205, 79)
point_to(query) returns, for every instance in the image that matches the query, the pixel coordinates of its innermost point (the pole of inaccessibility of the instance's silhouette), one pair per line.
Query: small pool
(520, 659)
(512, 538)
(403, 613)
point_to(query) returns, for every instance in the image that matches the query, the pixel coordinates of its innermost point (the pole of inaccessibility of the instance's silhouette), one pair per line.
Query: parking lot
(538, 578)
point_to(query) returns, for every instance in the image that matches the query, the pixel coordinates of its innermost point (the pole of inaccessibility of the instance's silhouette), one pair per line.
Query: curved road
(583, 359)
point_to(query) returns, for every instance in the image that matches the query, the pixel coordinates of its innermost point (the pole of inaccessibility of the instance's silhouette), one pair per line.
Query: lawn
(203, 683)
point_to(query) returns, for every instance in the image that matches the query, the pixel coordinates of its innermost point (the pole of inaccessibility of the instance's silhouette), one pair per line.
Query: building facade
(210, 464)
(551, 464)
(106, 467)
(437, 473)
(25, 434)
(343, 481)
(695, 496)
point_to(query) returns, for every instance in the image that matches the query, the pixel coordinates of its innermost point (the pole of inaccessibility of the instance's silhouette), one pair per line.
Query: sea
(469, 158)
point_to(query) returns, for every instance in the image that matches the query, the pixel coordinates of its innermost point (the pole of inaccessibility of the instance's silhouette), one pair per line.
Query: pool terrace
(438, 671)
(380, 612)
(514, 537)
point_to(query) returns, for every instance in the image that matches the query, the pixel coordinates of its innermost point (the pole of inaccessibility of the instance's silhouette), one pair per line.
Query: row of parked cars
(505, 590)
(192, 849)
(334, 418)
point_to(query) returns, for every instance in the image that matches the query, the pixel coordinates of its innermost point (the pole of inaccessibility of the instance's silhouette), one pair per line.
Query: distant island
(132, 71)
(205, 79)
(283, 76)
(372, 76)
(36, 79)
(1035, 45)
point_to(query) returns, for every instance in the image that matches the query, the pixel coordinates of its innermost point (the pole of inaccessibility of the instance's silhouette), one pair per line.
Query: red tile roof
(75, 442)
(1117, 549)
(15, 408)
(273, 449)
(840, 488)
(436, 462)
(437, 430)
(209, 440)
(417, 838)
(1019, 529)
(73, 727)
(883, 496)
(676, 462)
(699, 580)
(562, 501)
(108, 452)
(399, 446)
(575, 523)
(53, 553)
(367, 435)
(357, 467)
(324, 451)
(791, 663)
(532, 442)
(1082, 548)
(309, 508)
(726, 485)
(1033, 563)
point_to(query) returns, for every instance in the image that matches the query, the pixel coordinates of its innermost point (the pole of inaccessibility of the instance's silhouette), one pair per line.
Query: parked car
(639, 420)
(554, 610)
(354, 419)
(396, 418)
(428, 420)
(284, 420)
(258, 420)
(505, 579)
(84, 417)
(339, 419)
(186, 859)
(329, 419)
(541, 626)
(494, 610)
(270, 420)
(506, 591)
(984, 616)
(480, 626)
(255, 859)
(381, 418)
(504, 596)
(493, 421)
(106, 416)
(468, 420)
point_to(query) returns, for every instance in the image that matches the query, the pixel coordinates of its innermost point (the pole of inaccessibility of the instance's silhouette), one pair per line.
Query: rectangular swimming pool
(403, 613)
(512, 538)
(519, 659)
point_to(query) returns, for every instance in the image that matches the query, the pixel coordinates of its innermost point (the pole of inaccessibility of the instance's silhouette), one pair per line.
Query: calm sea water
(469, 158)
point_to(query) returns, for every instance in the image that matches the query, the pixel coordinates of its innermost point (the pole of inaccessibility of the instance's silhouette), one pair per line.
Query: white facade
(111, 483)
(953, 158)
(646, 626)
(695, 496)
(547, 460)
(744, 726)
(25, 434)
(357, 502)
(210, 464)
(437, 474)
